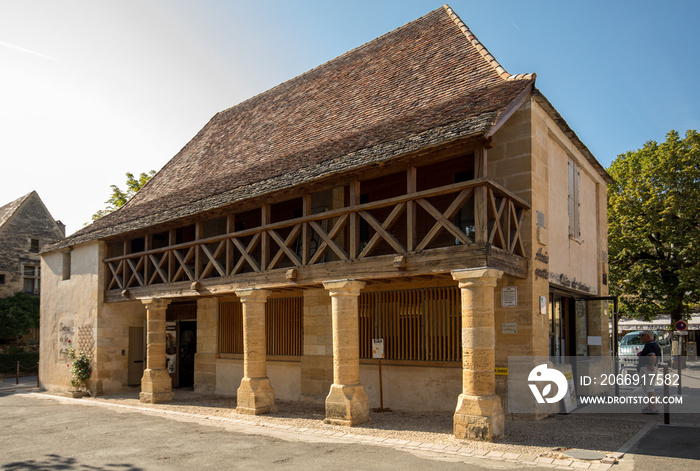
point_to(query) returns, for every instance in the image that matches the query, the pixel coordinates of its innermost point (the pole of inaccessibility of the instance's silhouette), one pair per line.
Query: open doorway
(187, 347)
(181, 344)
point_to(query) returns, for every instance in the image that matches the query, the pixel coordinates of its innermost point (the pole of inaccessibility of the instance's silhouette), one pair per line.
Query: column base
(479, 418)
(255, 396)
(347, 405)
(156, 386)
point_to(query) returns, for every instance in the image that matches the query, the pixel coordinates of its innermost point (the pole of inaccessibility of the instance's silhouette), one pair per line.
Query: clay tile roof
(428, 81)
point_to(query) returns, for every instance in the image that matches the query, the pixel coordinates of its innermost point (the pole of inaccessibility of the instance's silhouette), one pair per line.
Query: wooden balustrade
(476, 212)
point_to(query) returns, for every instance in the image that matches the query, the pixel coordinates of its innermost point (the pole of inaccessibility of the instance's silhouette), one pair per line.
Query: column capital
(253, 295)
(344, 287)
(156, 303)
(477, 276)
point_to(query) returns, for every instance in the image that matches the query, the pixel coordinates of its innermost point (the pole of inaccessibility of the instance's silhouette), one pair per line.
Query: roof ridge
(12, 207)
(322, 65)
(482, 49)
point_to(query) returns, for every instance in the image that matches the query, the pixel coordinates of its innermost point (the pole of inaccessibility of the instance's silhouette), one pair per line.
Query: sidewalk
(26, 383)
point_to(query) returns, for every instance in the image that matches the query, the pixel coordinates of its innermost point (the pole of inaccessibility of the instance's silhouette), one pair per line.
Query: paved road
(41, 433)
(664, 447)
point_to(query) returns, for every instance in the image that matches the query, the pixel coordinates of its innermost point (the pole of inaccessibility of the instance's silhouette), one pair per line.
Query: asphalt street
(41, 433)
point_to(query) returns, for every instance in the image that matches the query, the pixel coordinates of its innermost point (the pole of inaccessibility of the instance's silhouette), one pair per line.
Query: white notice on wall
(509, 296)
(595, 340)
(377, 348)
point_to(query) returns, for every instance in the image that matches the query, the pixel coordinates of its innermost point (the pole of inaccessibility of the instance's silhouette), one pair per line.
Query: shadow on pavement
(673, 441)
(57, 462)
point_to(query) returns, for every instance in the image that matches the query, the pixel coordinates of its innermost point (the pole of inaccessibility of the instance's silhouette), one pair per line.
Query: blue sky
(92, 89)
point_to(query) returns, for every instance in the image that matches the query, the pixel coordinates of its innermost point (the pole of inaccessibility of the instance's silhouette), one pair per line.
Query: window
(66, 265)
(2, 279)
(574, 221)
(418, 324)
(230, 327)
(283, 324)
(31, 279)
(34, 245)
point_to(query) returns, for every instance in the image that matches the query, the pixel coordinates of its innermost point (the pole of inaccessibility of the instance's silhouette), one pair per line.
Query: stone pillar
(347, 402)
(479, 414)
(156, 384)
(255, 395)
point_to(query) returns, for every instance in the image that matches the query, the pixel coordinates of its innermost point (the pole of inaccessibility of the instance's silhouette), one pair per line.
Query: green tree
(18, 314)
(119, 198)
(654, 228)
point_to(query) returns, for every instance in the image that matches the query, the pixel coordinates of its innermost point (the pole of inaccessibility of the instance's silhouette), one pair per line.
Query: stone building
(410, 190)
(26, 227)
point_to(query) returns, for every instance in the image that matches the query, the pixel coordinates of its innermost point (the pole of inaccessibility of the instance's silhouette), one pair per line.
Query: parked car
(631, 344)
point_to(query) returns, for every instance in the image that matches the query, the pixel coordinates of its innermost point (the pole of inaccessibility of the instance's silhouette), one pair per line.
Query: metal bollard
(667, 407)
(17, 373)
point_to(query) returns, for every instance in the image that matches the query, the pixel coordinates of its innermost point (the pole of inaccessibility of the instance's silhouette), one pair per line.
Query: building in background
(26, 227)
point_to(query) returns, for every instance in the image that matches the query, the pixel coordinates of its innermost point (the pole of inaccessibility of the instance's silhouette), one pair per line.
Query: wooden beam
(411, 222)
(284, 246)
(381, 230)
(245, 252)
(265, 237)
(183, 268)
(443, 220)
(305, 230)
(327, 239)
(354, 230)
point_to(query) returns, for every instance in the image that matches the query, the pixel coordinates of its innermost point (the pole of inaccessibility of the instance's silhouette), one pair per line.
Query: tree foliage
(18, 314)
(119, 198)
(654, 227)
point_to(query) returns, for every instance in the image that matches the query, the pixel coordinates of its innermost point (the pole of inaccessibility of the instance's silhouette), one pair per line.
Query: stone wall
(69, 308)
(205, 360)
(31, 220)
(112, 360)
(317, 362)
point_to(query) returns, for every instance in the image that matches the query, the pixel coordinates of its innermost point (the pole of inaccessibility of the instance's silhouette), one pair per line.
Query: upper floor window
(66, 265)
(2, 279)
(31, 279)
(34, 245)
(574, 217)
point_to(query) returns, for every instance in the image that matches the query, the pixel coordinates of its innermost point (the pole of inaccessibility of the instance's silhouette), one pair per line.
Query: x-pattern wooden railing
(334, 234)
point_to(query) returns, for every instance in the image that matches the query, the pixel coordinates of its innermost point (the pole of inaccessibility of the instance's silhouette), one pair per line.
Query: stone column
(347, 402)
(479, 414)
(255, 395)
(156, 385)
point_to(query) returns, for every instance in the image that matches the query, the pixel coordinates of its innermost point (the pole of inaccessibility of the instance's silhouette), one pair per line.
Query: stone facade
(481, 215)
(26, 227)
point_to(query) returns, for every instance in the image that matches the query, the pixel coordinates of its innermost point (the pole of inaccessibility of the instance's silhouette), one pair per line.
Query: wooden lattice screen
(284, 320)
(418, 324)
(85, 343)
(230, 327)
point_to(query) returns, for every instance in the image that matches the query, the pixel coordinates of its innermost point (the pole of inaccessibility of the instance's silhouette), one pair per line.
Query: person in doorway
(647, 365)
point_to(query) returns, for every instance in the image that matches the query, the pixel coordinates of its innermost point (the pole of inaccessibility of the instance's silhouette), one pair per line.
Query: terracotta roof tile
(426, 80)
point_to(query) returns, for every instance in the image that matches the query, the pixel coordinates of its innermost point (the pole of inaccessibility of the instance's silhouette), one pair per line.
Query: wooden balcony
(469, 224)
